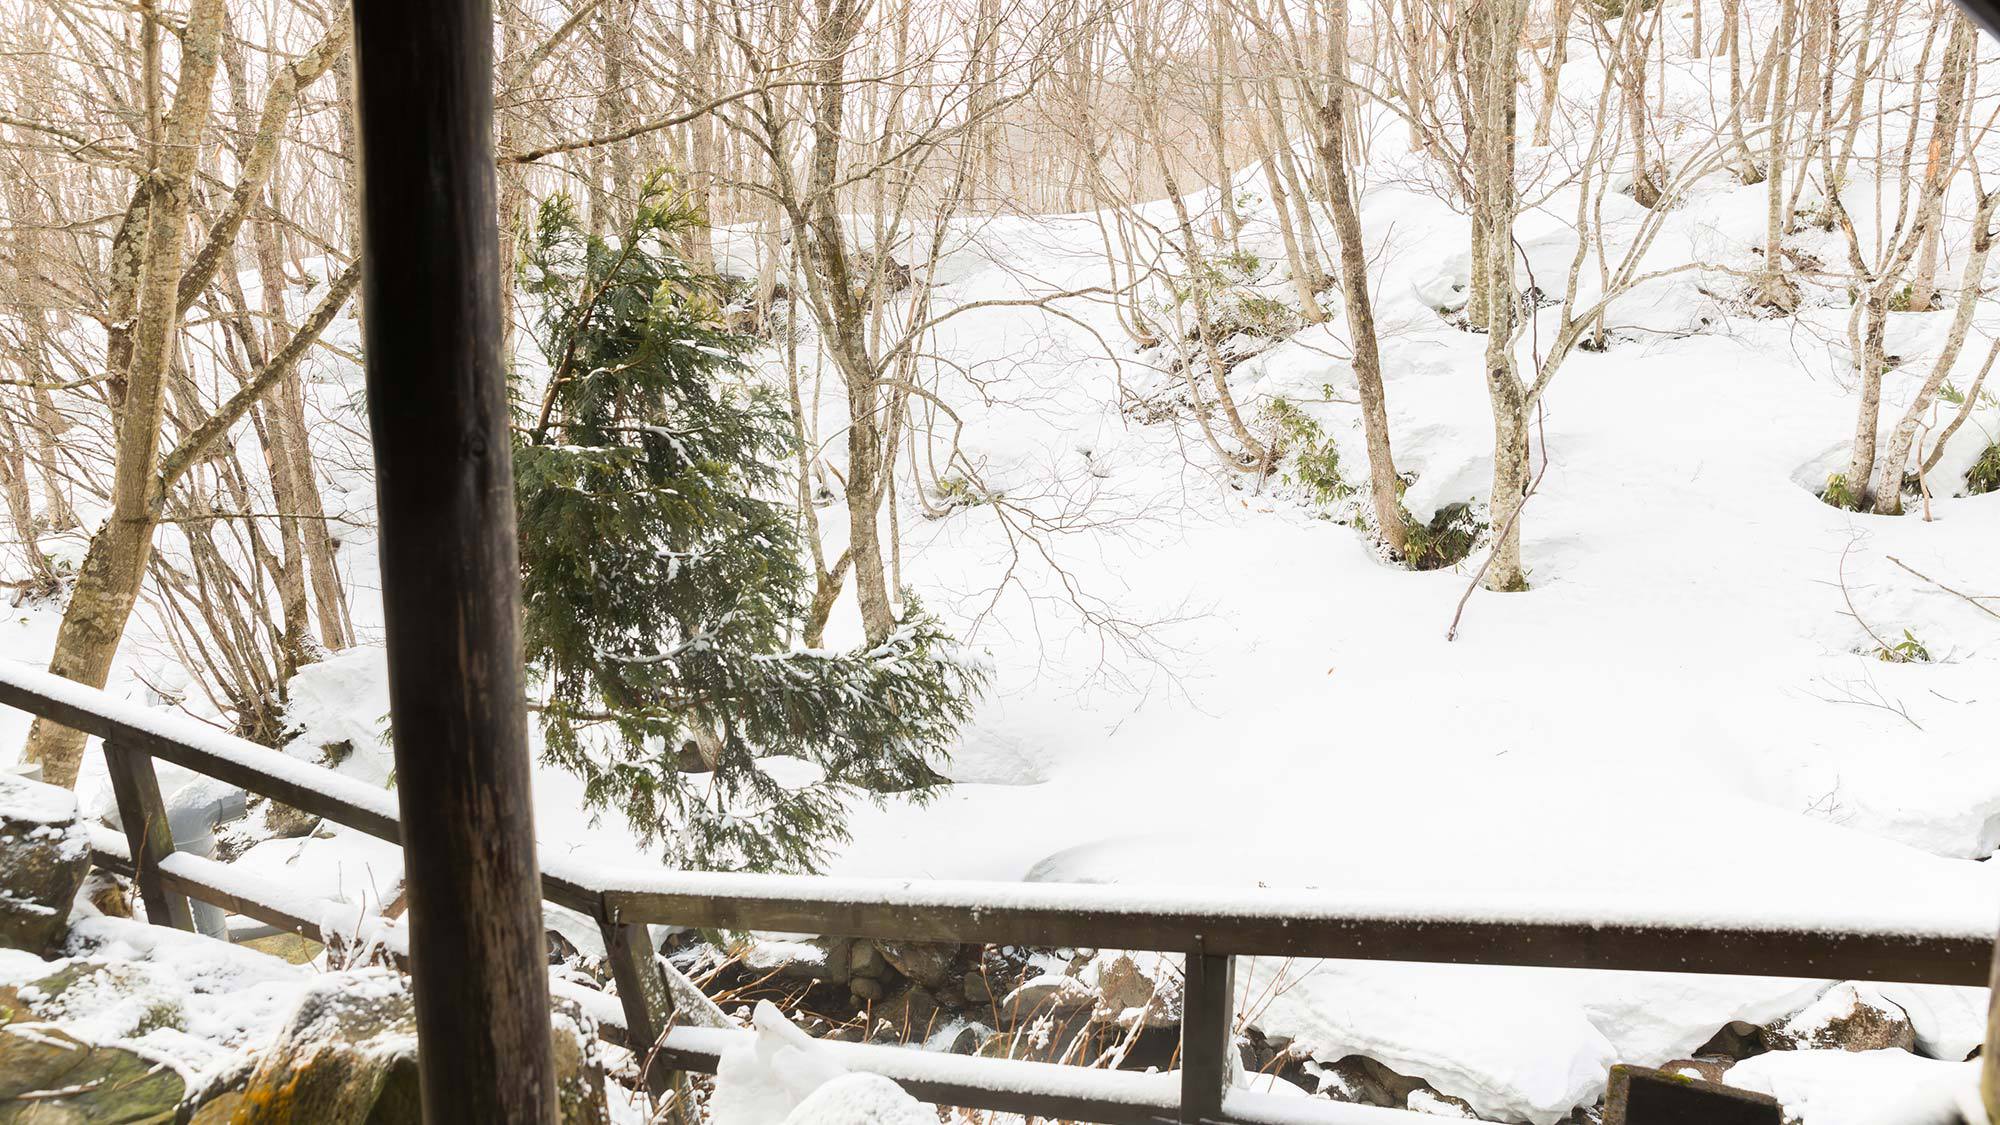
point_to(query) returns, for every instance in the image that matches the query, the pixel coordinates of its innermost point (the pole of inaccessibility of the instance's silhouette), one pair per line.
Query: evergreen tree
(662, 582)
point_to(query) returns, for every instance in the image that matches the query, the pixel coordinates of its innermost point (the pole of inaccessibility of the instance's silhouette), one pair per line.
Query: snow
(27, 802)
(1831, 1087)
(1679, 723)
(859, 1099)
(779, 1075)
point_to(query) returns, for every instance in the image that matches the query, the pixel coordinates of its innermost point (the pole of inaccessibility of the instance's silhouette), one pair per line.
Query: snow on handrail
(1659, 927)
(642, 892)
(1009, 1085)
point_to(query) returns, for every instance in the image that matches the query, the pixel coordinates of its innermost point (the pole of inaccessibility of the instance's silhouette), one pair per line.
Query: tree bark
(107, 584)
(1385, 488)
(1889, 469)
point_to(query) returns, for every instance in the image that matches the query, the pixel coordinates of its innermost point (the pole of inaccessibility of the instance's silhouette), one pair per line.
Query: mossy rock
(50, 1077)
(348, 1056)
(131, 992)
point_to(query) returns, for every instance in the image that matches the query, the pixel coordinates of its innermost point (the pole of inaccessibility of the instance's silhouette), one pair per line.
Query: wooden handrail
(1952, 946)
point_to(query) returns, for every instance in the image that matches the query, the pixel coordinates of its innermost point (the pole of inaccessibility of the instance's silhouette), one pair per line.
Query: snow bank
(1833, 1087)
(782, 1076)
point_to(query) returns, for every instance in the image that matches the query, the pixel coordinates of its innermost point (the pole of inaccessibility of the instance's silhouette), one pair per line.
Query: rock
(977, 989)
(1430, 1102)
(283, 822)
(1705, 1068)
(1736, 1040)
(838, 951)
(348, 1056)
(48, 1075)
(44, 853)
(221, 1111)
(928, 963)
(108, 894)
(1050, 995)
(1363, 1081)
(866, 990)
(1128, 995)
(914, 1012)
(103, 999)
(864, 960)
(1849, 1017)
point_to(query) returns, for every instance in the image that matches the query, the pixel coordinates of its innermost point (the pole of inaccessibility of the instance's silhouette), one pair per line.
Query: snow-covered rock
(1850, 1017)
(44, 854)
(859, 1099)
(785, 1077)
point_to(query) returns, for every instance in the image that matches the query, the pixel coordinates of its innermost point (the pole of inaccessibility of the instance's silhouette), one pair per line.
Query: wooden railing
(1951, 945)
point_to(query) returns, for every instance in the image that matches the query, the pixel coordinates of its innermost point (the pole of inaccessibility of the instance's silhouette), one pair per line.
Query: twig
(1970, 599)
(1881, 645)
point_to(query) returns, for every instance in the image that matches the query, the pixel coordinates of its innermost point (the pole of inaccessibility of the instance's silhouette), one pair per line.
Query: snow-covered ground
(1685, 698)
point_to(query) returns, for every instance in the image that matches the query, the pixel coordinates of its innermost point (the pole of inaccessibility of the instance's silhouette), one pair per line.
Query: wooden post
(1637, 1095)
(1208, 1016)
(1989, 1057)
(136, 787)
(1985, 13)
(437, 406)
(643, 993)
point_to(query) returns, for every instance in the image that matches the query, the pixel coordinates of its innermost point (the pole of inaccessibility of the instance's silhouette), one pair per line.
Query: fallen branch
(1970, 599)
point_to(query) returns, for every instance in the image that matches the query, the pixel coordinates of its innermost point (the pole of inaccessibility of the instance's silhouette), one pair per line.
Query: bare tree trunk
(107, 583)
(1385, 488)
(1938, 160)
(1495, 35)
(1889, 470)
(1559, 19)
(1774, 289)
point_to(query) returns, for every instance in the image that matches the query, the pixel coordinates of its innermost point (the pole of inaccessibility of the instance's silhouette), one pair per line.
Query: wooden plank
(1039, 1090)
(1989, 1058)
(1208, 1017)
(1744, 950)
(643, 993)
(143, 815)
(1638, 1095)
(244, 768)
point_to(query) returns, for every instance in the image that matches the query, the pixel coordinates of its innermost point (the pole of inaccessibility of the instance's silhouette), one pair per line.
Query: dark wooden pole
(437, 403)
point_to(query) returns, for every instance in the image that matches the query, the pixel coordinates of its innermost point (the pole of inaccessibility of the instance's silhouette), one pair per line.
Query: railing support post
(451, 576)
(643, 992)
(144, 815)
(1208, 1017)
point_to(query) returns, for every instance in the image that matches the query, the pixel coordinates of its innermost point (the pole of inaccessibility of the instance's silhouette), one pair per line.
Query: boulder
(48, 1075)
(348, 1056)
(103, 999)
(1849, 1017)
(928, 963)
(865, 960)
(1127, 994)
(44, 854)
(1704, 1068)
(1053, 995)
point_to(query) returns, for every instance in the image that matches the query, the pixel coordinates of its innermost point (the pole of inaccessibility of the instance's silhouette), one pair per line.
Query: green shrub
(1445, 541)
(1315, 469)
(1909, 650)
(1984, 475)
(1838, 494)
